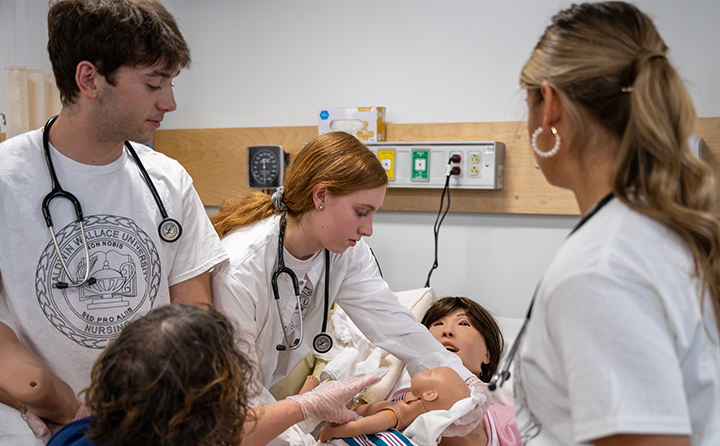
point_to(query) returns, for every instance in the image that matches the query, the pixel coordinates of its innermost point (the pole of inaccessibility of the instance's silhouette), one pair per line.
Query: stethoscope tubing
(58, 192)
(148, 180)
(169, 230)
(282, 269)
(322, 342)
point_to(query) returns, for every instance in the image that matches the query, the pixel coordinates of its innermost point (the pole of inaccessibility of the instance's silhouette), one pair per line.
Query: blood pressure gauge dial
(266, 166)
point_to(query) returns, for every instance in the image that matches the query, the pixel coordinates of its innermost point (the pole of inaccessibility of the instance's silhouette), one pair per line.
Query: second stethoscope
(503, 373)
(169, 229)
(322, 343)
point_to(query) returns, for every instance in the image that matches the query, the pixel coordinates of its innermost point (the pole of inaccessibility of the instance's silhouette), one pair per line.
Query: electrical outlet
(474, 171)
(474, 157)
(460, 163)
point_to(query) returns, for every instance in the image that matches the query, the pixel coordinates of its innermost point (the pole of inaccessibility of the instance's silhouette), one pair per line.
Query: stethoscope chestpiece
(170, 230)
(322, 343)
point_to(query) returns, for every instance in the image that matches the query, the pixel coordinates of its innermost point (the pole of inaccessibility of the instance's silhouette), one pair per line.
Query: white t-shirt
(616, 342)
(242, 290)
(134, 268)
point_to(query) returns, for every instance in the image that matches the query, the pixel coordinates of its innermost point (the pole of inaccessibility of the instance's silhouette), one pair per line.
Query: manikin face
(347, 218)
(134, 108)
(455, 332)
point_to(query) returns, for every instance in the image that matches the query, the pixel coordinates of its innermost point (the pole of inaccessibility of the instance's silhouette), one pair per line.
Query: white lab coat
(242, 290)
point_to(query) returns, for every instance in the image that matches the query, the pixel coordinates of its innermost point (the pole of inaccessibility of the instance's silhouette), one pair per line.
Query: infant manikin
(432, 389)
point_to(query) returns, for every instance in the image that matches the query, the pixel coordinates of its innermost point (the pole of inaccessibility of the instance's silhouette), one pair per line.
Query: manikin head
(467, 329)
(432, 389)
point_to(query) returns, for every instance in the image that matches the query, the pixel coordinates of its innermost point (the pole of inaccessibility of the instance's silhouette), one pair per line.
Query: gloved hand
(328, 401)
(44, 429)
(468, 422)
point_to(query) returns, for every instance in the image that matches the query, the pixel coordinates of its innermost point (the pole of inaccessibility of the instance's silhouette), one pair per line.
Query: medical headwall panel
(217, 161)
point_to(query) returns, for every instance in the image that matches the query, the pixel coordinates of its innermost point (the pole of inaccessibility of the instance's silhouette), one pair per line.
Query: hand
(468, 422)
(328, 401)
(44, 429)
(326, 432)
(41, 428)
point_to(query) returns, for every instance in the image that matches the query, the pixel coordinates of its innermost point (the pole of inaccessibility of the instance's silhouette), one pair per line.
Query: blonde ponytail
(657, 175)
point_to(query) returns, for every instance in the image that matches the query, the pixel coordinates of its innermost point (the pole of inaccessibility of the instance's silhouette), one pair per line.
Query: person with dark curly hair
(176, 377)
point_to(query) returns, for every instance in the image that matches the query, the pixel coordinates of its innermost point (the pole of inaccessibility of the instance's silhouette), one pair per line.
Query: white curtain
(31, 96)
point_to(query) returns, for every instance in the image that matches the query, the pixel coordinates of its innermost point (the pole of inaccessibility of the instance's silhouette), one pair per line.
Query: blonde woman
(622, 343)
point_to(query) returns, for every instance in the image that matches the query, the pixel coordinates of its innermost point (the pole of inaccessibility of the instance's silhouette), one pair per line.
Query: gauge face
(265, 167)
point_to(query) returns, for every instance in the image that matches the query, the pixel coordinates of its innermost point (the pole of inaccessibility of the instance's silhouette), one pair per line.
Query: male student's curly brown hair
(173, 377)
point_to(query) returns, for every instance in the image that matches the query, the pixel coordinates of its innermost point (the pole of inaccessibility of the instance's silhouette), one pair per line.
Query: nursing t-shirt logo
(125, 265)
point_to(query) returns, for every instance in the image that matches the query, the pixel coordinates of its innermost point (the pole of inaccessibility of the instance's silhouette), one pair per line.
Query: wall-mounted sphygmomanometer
(266, 166)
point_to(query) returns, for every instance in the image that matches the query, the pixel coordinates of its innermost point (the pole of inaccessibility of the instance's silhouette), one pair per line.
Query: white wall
(275, 63)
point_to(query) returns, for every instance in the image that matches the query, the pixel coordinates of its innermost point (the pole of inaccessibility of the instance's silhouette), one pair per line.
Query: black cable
(436, 227)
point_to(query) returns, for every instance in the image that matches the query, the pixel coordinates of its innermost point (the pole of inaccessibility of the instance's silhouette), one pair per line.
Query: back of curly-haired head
(480, 319)
(173, 377)
(609, 65)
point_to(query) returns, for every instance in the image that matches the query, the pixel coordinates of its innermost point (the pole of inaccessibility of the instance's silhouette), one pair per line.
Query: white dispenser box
(365, 123)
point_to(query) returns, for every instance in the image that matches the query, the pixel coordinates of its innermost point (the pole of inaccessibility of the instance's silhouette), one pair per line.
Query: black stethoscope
(503, 373)
(322, 343)
(169, 229)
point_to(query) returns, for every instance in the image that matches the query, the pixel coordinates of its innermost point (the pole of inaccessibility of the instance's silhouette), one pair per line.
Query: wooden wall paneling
(216, 160)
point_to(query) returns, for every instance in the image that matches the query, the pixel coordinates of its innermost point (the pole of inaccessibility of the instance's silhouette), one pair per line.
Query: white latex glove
(468, 422)
(44, 429)
(328, 401)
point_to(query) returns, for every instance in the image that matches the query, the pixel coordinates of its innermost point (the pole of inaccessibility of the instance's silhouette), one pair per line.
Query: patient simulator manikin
(432, 389)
